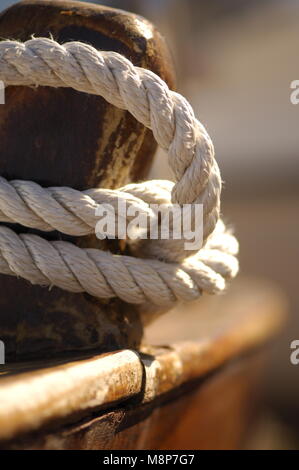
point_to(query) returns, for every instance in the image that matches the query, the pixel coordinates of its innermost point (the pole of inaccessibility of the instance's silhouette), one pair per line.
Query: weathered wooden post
(65, 138)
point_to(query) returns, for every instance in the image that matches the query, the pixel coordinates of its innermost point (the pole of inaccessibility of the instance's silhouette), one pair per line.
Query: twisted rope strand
(105, 275)
(59, 208)
(42, 61)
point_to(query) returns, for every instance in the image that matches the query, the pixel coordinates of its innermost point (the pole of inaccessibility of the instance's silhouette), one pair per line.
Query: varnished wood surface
(212, 413)
(60, 137)
(155, 373)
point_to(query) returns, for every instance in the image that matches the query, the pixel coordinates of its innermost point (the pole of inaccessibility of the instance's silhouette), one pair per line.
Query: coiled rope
(174, 274)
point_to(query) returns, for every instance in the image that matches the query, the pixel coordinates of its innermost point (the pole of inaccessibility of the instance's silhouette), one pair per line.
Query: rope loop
(160, 272)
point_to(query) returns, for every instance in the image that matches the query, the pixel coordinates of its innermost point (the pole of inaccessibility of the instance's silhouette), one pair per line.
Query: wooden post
(63, 137)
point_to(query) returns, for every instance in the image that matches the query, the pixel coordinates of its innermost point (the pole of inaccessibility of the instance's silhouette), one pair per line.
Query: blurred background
(235, 60)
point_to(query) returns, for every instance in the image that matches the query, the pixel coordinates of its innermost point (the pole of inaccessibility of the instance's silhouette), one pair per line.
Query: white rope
(42, 61)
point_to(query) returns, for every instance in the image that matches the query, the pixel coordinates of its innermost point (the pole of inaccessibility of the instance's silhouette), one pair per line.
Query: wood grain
(56, 395)
(211, 413)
